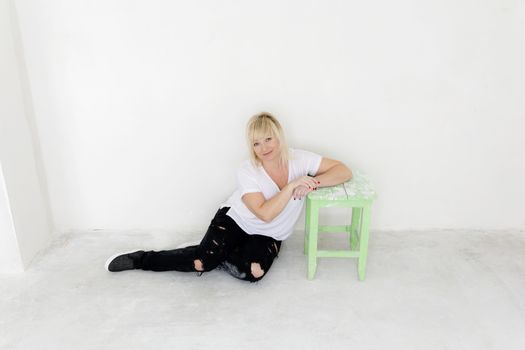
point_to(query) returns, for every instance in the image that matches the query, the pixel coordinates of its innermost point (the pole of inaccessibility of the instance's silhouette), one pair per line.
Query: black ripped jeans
(225, 245)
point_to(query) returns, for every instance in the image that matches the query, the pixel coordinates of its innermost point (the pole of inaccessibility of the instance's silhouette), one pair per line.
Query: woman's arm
(332, 172)
(267, 210)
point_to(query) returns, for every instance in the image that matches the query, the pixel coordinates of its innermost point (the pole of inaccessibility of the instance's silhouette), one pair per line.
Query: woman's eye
(256, 144)
(268, 139)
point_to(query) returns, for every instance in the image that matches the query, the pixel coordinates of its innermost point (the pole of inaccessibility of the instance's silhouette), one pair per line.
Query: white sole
(110, 259)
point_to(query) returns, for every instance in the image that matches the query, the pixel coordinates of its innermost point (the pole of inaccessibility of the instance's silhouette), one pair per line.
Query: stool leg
(313, 229)
(363, 243)
(356, 223)
(306, 225)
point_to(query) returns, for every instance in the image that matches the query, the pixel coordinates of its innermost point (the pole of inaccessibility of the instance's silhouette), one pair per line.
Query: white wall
(24, 222)
(10, 259)
(141, 105)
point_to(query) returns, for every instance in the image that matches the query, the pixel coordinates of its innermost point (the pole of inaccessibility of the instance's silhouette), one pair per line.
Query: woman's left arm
(332, 172)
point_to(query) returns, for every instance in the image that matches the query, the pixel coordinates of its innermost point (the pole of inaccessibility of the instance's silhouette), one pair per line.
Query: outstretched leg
(170, 260)
(203, 257)
(166, 260)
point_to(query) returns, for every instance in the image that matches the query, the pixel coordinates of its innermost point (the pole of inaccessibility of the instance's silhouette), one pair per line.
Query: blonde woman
(246, 233)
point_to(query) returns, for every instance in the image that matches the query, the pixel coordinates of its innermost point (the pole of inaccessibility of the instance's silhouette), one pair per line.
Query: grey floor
(424, 290)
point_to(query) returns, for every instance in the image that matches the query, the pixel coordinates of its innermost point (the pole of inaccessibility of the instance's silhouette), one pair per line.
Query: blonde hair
(262, 125)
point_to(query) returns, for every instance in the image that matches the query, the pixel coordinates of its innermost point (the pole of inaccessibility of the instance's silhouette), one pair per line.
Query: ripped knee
(198, 265)
(256, 270)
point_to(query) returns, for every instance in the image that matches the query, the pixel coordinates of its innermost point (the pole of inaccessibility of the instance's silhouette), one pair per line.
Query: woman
(246, 233)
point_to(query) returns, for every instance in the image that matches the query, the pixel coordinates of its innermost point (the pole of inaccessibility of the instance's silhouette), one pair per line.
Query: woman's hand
(307, 181)
(301, 191)
(303, 186)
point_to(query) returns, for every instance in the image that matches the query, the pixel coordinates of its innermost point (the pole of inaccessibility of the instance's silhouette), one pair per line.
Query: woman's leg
(211, 251)
(253, 259)
(204, 257)
(170, 260)
(166, 260)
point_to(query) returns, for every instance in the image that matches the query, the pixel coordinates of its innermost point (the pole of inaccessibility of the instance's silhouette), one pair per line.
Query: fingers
(308, 181)
(298, 192)
(301, 191)
(303, 186)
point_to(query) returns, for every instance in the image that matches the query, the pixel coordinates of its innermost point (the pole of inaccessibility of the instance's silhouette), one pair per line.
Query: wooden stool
(357, 194)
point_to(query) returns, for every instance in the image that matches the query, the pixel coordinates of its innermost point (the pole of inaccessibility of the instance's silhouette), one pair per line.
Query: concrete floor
(424, 290)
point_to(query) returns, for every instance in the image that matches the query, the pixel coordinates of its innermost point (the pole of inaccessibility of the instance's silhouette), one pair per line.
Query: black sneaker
(124, 261)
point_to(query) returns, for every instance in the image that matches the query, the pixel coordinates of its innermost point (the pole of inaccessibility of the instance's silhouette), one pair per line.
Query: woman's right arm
(267, 210)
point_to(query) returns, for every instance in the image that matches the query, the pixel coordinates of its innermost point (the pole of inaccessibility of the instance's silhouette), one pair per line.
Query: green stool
(357, 194)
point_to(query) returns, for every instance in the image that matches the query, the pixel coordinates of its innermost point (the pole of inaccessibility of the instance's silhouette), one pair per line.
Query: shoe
(124, 261)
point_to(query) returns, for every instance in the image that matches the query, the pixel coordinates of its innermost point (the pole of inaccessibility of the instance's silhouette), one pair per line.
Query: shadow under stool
(357, 194)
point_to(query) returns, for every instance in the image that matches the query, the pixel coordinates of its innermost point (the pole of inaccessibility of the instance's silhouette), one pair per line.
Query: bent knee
(257, 271)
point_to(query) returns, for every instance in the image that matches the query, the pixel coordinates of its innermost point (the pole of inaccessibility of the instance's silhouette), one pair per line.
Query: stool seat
(358, 194)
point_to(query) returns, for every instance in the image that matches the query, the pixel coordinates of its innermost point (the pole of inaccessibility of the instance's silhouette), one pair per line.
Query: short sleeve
(247, 181)
(310, 160)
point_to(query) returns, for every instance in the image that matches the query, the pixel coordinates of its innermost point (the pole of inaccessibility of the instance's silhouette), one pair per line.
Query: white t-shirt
(255, 179)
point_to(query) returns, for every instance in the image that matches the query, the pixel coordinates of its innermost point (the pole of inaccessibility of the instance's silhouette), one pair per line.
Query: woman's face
(267, 148)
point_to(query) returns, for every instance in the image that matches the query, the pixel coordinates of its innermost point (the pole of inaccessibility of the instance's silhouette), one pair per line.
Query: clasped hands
(303, 186)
